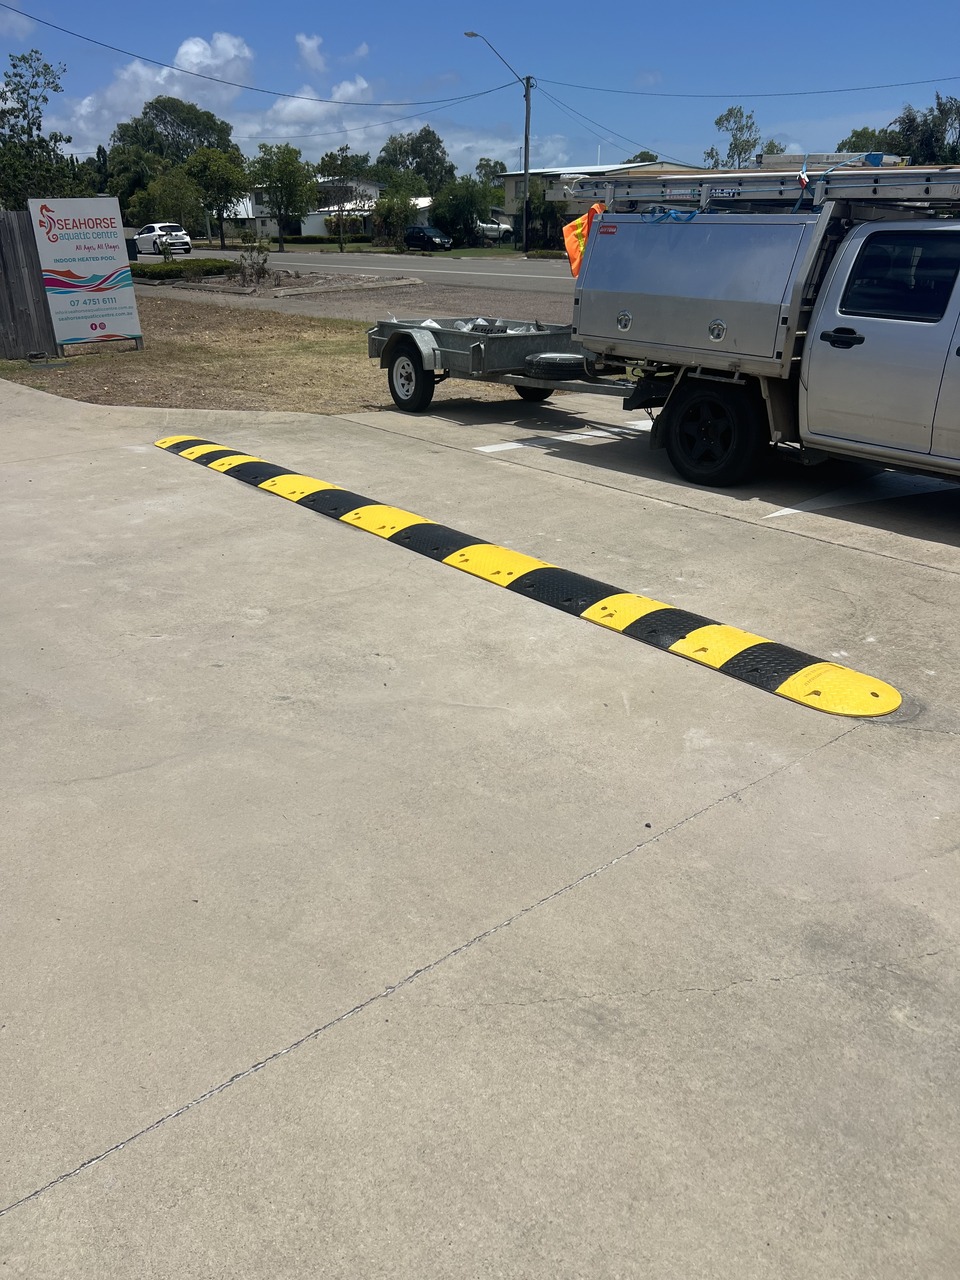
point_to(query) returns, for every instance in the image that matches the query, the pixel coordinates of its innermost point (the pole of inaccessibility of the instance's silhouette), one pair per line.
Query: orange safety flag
(575, 236)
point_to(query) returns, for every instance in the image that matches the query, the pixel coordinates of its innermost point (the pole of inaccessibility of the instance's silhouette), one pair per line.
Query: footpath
(359, 918)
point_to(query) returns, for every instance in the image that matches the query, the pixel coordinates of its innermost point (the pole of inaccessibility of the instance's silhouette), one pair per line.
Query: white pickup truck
(749, 309)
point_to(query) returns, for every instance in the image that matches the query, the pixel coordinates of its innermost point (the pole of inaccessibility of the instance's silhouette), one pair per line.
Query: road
(361, 918)
(549, 276)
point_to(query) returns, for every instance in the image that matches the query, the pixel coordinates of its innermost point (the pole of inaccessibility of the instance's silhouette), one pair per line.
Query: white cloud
(15, 25)
(300, 112)
(91, 120)
(355, 90)
(225, 56)
(359, 52)
(310, 54)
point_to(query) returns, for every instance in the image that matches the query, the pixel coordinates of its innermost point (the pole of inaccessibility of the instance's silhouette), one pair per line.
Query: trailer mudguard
(422, 339)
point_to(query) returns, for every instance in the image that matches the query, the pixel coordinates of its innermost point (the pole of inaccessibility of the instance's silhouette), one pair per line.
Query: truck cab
(881, 365)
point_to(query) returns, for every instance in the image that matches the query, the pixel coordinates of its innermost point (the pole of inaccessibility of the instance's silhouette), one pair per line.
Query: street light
(527, 82)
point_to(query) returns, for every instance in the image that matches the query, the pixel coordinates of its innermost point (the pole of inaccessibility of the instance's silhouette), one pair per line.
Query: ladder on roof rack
(718, 189)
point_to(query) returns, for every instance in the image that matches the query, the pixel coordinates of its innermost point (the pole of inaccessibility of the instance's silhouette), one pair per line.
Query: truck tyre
(715, 434)
(411, 385)
(534, 394)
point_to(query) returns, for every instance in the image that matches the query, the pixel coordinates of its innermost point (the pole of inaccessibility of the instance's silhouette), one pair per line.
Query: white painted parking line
(876, 488)
(587, 437)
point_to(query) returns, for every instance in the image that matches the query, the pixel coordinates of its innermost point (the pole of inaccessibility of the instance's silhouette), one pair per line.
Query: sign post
(86, 273)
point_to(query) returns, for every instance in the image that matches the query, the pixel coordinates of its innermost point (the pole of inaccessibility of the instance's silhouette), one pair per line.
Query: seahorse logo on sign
(47, 223)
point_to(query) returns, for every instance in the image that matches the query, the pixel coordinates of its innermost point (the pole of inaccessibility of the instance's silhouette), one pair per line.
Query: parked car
(496, 232)
(153, 237)
(426, 238)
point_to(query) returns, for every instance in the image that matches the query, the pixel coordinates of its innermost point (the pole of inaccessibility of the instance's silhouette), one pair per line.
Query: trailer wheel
(715, 434)
(554, 366)
(411, 385)
(534, 394)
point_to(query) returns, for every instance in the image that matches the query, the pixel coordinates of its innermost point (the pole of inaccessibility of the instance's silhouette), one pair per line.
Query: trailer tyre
(411, 385)
(715, 434)
(554, 366)
(534, 394)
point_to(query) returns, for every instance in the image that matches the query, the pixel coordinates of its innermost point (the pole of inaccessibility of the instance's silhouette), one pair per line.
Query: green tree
(459, 206)
(392, 214)
(744, 138)
(289, 184)
(164, 135)
(172, 197)
(92, 172)
(130, 170)
(927, 136)
(774, 148)
(931, 136)
(341, 171)
(864, 140)
(401, 182)
(545, 228)
(221, 178)
(642, 157)
(32, 163)
(174, 129)
(84, 179)
(423, 153)
(490, 172)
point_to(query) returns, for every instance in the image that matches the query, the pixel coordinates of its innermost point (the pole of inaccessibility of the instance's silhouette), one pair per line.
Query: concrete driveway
(361, 919)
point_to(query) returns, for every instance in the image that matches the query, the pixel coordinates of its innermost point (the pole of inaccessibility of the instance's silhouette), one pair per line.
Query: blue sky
(600, 71)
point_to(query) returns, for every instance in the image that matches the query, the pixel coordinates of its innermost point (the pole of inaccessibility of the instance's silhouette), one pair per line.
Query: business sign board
(86, 272)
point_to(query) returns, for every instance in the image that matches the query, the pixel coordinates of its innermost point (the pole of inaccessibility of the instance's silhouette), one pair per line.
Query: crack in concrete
(919, 728)
(413, 976)
(120, 773)
(889, 966)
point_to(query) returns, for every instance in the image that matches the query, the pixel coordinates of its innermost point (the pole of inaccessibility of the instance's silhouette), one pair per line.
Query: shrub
(350, 239)
(193, 269)
(253, 262)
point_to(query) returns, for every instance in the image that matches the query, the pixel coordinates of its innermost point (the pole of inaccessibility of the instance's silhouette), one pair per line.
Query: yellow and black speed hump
(789, 673)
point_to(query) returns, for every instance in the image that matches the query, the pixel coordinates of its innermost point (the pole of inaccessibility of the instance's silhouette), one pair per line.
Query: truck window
(903, 275)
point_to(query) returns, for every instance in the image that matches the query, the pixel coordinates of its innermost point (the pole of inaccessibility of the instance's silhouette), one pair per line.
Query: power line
(375, 124)
(233, 84)
(741, 95)
(565, 84)
(572, 112)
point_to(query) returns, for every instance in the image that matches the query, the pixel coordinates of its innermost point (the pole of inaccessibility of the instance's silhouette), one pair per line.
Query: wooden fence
(25, 325)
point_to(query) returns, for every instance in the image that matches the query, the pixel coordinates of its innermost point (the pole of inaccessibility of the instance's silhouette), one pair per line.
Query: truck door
(946, 424)
(875, 353)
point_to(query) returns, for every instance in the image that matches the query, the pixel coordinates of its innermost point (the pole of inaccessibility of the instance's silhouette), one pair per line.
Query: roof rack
(765, 188)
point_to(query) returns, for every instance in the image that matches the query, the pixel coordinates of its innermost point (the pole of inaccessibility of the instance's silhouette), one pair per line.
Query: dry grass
(201, 356)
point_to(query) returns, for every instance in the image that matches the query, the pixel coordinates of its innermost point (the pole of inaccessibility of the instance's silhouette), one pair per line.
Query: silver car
(156, 236)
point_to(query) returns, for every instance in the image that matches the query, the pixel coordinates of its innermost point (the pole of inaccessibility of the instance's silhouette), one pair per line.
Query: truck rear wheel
(715, 434)
(411, 385)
